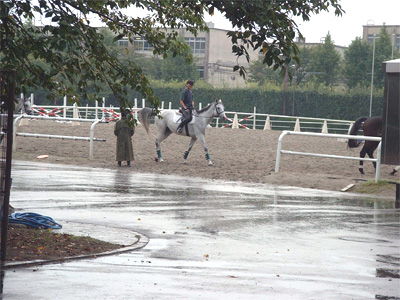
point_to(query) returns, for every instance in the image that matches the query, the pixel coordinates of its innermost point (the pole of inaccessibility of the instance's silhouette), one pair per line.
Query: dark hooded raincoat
(124, 132)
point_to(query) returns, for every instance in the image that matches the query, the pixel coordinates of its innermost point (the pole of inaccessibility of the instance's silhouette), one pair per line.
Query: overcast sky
(342, 29)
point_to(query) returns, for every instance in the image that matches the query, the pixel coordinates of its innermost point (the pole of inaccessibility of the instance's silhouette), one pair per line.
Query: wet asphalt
(203, 239)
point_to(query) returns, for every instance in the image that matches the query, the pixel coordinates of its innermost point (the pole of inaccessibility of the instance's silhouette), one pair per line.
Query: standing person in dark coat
(124, 132)
(187, 105)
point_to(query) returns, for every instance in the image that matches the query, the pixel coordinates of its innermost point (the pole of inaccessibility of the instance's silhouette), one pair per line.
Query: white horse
(196, 129)
(24, 105)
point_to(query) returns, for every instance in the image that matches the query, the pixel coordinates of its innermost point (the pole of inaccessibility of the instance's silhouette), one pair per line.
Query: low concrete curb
(133, 241)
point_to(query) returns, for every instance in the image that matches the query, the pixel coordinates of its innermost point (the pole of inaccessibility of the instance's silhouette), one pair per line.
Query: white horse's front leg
(185, 156)
(203, 143)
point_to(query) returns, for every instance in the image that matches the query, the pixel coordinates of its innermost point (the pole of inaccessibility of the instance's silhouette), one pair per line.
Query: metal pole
(372, 76)
(393, 40)
(284, 91)
(294, 89)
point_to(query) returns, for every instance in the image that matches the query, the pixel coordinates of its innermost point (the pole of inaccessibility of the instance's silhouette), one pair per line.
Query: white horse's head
(220, 109)
(24, 104)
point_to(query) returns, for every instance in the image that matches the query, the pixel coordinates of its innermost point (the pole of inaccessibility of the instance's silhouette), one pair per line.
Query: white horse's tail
(145, 114)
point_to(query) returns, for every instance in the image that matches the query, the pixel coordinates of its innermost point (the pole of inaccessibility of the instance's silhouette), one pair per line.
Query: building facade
(213, 53)
(393, 30)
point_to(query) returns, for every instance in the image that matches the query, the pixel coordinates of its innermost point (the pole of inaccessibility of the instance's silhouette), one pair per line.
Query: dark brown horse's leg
(371, 155)
(395, 170)
(371, 148)
(362, 155)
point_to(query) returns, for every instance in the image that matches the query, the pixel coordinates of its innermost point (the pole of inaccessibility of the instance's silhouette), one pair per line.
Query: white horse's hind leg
(185, 156)
(203, 143)
(162, 135)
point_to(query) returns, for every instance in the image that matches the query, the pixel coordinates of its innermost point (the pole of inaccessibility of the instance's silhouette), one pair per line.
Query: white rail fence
(234, 120)
(91, 137)
(279, 150)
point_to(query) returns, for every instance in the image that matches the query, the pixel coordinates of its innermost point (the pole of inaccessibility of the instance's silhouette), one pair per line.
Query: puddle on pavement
(294, 228)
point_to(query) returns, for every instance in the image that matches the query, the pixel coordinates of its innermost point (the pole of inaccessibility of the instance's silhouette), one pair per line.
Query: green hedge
(346, 105)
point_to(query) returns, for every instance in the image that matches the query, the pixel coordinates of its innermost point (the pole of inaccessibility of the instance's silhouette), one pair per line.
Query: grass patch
(370, 187)
(26, 243)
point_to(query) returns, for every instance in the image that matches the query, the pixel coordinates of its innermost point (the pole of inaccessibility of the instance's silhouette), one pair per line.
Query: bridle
(218, 112)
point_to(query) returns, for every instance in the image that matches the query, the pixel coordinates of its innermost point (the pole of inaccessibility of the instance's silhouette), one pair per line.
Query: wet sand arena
(237, 154)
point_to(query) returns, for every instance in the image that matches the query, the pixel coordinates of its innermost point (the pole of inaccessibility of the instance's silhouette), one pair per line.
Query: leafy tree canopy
(357, 63)
(326, 60)
(78, 57)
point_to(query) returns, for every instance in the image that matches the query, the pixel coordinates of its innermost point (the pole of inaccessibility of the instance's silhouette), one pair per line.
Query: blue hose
(33, 220)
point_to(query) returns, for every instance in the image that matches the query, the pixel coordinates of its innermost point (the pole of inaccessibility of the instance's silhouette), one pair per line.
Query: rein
(215, 107)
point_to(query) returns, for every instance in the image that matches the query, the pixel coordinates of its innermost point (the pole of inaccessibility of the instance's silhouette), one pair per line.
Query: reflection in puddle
(387, 273)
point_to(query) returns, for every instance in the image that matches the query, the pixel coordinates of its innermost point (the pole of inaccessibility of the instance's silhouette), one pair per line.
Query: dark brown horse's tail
(353, 131)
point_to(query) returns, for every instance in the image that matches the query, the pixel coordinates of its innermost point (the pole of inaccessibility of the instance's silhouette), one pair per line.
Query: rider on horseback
(187, 104)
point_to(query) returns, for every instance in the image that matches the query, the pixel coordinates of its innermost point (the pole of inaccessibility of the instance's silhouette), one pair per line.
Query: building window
(200, 69)
(123, 43)
(197, 44)
(397, 41)
(371, 38)
(141, 44)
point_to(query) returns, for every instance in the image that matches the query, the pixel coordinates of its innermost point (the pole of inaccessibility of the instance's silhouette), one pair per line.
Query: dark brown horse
(371, 127)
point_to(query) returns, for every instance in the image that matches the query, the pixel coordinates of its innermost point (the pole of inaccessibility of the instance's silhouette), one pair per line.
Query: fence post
(267, 125)
(65, 107)
(297, 125)
(97, 105)
(32, 99)
(278, 151)
(235, 123)
(254, 118)
(351, 125)
(169, 105)
(378, 163)
(104, 107)
(75, 115)
(162, 104)
(136, 110)
(200, 105)
(325, 127)
(143, 103)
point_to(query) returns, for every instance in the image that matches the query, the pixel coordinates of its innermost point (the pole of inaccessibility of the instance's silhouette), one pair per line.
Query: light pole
(284, 91)
(294, 87)
(393, 39)
(372, 75)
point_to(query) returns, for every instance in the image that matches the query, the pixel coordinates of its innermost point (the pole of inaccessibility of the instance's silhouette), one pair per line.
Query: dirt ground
(237, 155)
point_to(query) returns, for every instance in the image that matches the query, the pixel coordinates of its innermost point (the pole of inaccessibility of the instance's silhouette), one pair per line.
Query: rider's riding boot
(179, 129)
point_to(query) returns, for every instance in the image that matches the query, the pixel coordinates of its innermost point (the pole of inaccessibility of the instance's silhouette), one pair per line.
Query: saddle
(179, 116)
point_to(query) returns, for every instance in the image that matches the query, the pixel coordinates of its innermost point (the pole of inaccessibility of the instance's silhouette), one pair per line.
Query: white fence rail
(279, 150)
(91, 137)
(235, 120)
